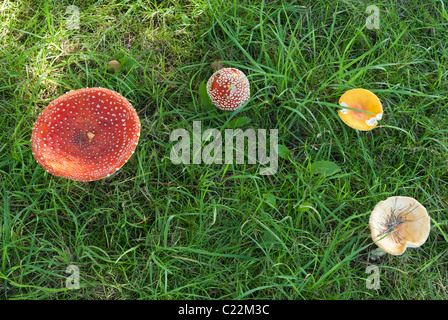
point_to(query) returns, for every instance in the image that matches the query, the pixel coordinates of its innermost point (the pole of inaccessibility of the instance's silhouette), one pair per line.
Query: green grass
(157, 230)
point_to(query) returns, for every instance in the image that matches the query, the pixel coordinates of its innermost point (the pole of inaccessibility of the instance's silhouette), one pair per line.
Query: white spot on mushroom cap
(371, 122)
(374, 120)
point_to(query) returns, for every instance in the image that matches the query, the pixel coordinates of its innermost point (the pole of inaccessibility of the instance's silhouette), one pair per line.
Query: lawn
(161, 230)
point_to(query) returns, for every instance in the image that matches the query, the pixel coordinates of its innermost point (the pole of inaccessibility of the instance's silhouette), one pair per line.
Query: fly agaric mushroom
(228, 89)
(86, 134)
(360, 99)
(398, 223)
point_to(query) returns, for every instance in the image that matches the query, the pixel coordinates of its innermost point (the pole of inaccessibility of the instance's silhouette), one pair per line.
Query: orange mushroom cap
(228, 89)
(360, 99)
(86, 134)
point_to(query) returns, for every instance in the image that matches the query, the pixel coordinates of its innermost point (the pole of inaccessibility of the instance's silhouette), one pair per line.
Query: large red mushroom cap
(86, 134)
(228, 88)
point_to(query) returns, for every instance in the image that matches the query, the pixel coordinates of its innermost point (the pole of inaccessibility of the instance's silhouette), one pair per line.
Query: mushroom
(113, 66)
(86, 134)
(228, 89)
(360, 99)
(398, 223)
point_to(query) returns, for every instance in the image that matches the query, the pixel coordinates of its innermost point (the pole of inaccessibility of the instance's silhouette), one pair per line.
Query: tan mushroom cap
(113, 65)
(86, 134)
(398, 223)
(360, 99)
(228, 88)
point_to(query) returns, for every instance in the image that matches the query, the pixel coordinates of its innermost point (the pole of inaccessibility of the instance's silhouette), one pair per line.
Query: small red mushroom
(86, 134)
(228, 89)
